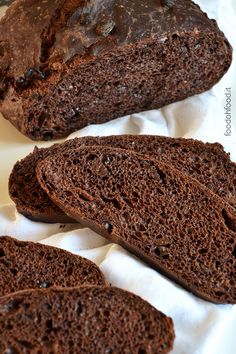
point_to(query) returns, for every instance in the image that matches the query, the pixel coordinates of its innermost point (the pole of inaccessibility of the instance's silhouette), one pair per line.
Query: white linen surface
(201, 327)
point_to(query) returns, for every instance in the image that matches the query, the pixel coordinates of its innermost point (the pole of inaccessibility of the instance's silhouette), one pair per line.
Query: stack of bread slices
(52, 301)
(169, 201)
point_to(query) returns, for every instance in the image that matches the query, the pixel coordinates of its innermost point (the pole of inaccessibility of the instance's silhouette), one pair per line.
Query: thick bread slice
(25, 265)
(75, 63)
(168, 219)
(96, 320)
(208, 163)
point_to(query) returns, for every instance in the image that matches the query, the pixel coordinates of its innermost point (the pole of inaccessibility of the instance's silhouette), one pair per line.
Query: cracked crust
(91, 61)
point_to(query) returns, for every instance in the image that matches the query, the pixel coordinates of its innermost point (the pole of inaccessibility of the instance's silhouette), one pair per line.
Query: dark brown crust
(25, 265)
(168, 219)
(208, 163)
(96, 320)
(90, 62)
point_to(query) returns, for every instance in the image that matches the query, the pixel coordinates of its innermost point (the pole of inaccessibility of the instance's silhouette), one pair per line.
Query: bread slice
(208, 163)
(25, 265)
(24, 190)
(96, 320)
(166, 218)
(76, 63)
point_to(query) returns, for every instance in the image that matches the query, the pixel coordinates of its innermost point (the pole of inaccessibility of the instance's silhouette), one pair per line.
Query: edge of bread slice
(206, 162)
(25, 265)
(94, 319)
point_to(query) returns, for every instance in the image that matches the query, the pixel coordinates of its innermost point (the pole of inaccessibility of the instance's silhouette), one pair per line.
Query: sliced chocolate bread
(25, 265)
(208, 163)
(163, 216)
(75, 63)
(96, 320)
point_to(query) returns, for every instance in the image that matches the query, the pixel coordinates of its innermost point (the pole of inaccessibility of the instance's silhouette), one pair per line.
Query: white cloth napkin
(201, 327)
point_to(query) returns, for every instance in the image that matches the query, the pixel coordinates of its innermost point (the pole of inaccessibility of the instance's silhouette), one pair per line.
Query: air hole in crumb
(108, 226)
(76, 161)
(41, 119)
(116, 204)
(49, 325)
(175, 36)
(26, 305)
(175, 145)
(11, 350)
(79, 308)
(106, 159)
(47, 306)
(2, 51)
(230, 222)
(142, 351)
(219, 293)
(13, 305)
(25, 344)
(151, 336)
(47, 136)
(86, 197)
(165, 256)
(9, 327)
(44, 285)
(70, 271)
(2, 253)
(106, 313)
(91, 157)
(203, 251)
(13, 271)
(162, 175)
(157, 251)
(234, 252)
(141, 227)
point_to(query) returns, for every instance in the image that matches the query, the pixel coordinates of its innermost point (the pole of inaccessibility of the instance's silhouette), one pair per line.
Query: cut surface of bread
(25, 265)
(168, 219)
(75, 63)
(96, 320)
(208, 163)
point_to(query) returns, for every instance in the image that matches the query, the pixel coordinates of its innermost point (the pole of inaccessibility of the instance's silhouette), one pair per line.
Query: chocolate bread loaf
(74, 63)
(165, 217)
(208, 163)
(25, 265)
(96, 320)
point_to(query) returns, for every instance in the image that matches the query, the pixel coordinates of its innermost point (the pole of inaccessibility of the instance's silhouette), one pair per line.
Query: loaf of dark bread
(74, 63)
(25, 265)
(165, 217)
(208, 163)
(91, 320)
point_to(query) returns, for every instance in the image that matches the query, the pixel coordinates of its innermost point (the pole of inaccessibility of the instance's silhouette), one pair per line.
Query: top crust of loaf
(25, 265)
(167, 218)
(93, 61)
(96, 25)
(96, 320)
